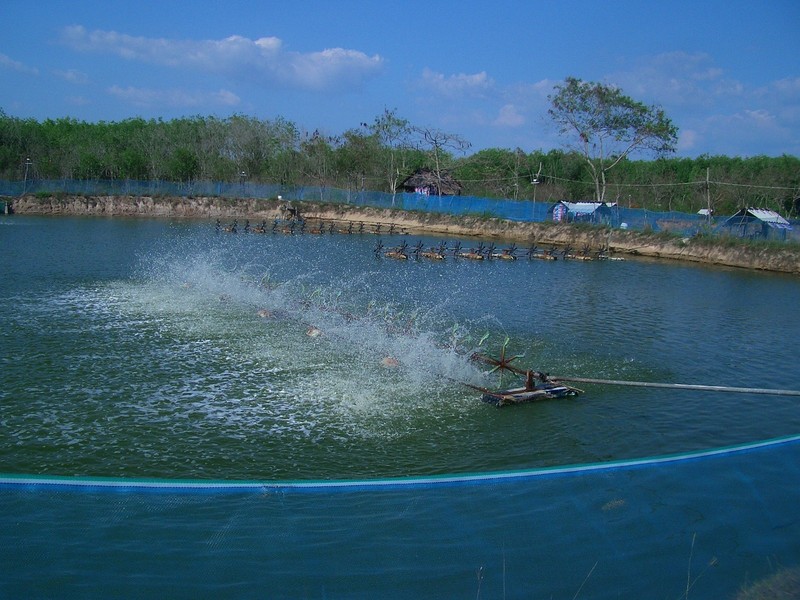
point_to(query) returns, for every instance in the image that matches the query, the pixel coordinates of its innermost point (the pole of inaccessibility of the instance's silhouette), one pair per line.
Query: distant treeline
(377, 157)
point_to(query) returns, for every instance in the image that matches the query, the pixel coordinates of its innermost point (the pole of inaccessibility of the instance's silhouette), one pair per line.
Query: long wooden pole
(681, 386)
(650, 384)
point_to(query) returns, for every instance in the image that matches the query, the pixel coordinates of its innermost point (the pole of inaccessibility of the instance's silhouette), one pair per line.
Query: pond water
(168, 426)
(136, 348)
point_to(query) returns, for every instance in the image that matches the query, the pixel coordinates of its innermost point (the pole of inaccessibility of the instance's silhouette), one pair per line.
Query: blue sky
(726, 72)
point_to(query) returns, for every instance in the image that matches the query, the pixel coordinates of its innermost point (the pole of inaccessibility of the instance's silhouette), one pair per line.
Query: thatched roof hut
(425, 181)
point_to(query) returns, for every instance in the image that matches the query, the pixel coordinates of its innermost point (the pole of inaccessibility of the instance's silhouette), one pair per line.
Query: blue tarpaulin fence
(515, 210)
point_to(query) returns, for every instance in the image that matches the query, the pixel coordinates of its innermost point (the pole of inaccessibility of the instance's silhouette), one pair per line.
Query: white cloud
(335, 67)
(224, 97)
(744, 132)
(72, 76)
(456, 85)
(675, 78)
(7, 62)
(532, 96)
(687, 140)
(715, 113)
(263, 60)
(176, 98)
(78, 100)
(746, 123)
(789, 86)
(509, 117)
(759, 117)
(782, 97)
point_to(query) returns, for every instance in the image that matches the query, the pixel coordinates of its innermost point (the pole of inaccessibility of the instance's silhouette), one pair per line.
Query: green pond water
(135, 348)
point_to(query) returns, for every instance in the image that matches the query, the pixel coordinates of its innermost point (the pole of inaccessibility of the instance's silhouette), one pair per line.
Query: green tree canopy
(377, 156)
(608, 126)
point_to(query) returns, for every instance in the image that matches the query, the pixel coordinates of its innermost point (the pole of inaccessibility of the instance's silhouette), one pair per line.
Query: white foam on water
(374, 370)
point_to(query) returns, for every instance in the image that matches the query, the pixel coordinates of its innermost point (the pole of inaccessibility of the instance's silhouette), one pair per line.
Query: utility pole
(28, 163)
(535, 180)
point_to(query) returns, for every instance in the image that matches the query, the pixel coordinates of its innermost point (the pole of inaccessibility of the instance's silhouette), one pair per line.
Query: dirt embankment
(618, 242)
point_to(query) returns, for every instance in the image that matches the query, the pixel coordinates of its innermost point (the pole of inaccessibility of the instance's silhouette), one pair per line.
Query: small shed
(758, 222)
(425, 181)
(584, 212)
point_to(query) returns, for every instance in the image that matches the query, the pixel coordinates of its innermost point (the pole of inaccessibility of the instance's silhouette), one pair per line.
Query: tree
(285, 165)
(394, 135)
(183, 165)
(609, 126)
(319, 152)
(438, 142)
(494, 172)
(357, 159)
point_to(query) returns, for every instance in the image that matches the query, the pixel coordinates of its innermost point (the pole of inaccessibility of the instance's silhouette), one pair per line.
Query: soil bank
(783, 258)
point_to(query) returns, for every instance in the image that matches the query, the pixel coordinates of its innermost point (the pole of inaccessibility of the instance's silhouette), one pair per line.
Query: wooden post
(529, 380)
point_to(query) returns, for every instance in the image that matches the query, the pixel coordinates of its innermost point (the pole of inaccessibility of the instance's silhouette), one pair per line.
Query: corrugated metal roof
(769, 216)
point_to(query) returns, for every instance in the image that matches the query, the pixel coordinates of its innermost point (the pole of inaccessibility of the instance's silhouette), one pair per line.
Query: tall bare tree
(438, 142)
(607, 126)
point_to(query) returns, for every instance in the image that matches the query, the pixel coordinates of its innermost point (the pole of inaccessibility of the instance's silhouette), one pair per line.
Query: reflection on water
(145, 348)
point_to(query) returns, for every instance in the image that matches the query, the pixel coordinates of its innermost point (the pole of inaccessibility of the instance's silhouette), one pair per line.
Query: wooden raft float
(537, 385)
(549, 387)
(531, 392)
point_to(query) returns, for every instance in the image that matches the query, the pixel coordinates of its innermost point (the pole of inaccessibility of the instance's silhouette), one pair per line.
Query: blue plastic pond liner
(188, 485)
(714, 521)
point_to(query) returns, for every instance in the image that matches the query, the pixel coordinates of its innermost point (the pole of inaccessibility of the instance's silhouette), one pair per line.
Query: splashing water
(288, 358)
(278, 357)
